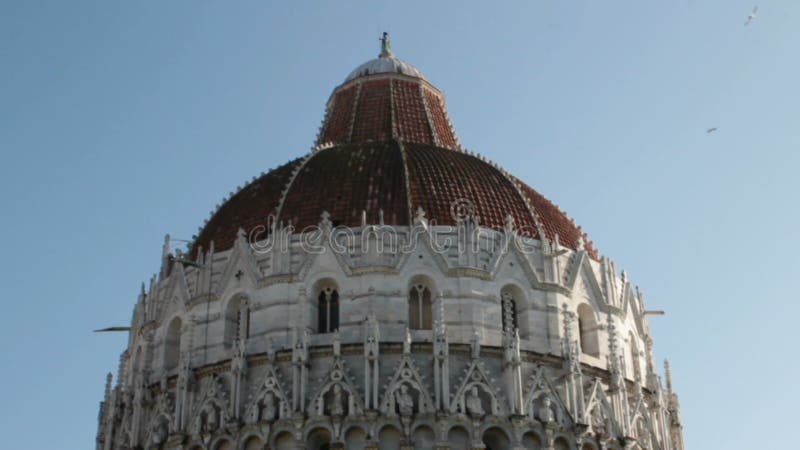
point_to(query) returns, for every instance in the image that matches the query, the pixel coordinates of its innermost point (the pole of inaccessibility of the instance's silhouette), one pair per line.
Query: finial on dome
(386, 46)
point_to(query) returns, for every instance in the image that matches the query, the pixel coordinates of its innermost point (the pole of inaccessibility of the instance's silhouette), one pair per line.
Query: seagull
(711, 130)
(752, 16)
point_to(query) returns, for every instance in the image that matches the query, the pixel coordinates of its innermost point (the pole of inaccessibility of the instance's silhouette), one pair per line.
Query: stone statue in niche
(546, 411)
(404, 400)
(208, 419)
(337, 407)
(474, 403)
(268, 408)
(641, 430)
(160, 432)
(599, 424)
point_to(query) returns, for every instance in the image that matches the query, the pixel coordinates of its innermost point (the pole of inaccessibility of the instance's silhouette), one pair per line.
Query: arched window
(561, 444)
(509, 310)
(327, 310)
(172, 344)
(496, 439)
(237, 321)
(420, 307)
(588, 329)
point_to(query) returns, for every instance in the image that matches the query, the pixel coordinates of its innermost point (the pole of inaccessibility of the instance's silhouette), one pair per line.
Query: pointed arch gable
(177, 285)
(326, 254)
(337, 376)
(527, 266)
(241, 258)
(419, 236)
(272, 383)
(582, 267)
(538, 385)
(500, 256)
(597, 399)
(476, 375)
(406, 373)
(214, 394)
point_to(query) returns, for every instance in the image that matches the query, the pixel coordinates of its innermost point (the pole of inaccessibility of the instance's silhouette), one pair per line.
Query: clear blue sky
(122, 121)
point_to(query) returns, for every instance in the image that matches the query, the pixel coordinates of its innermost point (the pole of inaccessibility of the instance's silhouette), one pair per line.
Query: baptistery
(388, 290)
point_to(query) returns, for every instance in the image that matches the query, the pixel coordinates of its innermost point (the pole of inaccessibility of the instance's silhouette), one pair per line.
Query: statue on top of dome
(386, 46)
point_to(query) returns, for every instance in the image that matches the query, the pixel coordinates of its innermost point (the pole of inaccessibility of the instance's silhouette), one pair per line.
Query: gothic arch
(587, 326)
(209, 413)
(539, 387)
(237, 319)
(421, 296)
(172, 343)
(406, 378)
(354, 406)
(271, 385)
(326, 300)
(476, 378)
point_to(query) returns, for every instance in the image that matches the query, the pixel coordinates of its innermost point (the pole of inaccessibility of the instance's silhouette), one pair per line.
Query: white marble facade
(446, 338)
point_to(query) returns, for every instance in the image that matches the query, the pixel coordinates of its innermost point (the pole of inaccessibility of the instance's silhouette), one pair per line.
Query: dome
(386, 62)
(387, 181)
(385, 149)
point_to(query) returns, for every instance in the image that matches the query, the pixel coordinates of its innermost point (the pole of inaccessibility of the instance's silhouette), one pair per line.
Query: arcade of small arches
(390, 437)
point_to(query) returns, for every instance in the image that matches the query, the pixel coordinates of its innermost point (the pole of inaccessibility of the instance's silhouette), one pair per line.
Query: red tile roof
(378, 107)
(246, 209)
(371, 177)
(389, 147)
(345, 181)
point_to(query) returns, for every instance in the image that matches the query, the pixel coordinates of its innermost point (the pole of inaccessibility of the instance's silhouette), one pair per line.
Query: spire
(386, 46)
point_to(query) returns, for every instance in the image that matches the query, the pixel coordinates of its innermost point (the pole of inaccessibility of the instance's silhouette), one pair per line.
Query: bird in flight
(752, 16)
(711, 130)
